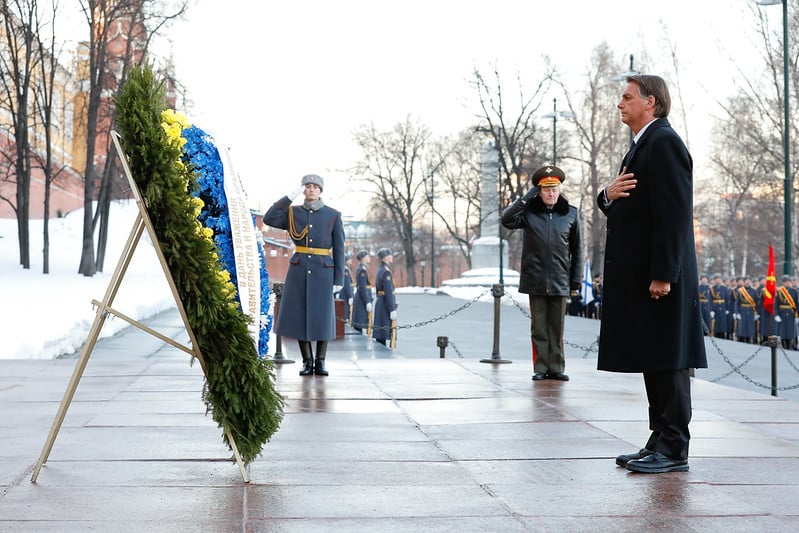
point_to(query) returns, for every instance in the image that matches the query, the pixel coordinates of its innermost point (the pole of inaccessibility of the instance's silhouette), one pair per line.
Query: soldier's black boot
(307, 358)
(321, 351)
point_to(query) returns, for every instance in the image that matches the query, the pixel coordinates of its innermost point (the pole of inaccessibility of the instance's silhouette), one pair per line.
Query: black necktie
(629, 154)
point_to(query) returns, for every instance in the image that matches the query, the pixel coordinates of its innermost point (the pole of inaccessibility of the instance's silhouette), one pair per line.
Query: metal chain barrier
(736, 369)
(438, 318)
(457, 351)
(790, 363)
(445, 315)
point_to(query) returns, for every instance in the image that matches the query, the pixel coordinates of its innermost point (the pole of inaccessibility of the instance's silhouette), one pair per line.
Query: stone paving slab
(387, 442)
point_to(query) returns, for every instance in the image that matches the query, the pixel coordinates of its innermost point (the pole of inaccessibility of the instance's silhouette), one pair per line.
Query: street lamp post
(423, 263)
(554, 116)
(432, 234)
(500, 210)
(787, 268)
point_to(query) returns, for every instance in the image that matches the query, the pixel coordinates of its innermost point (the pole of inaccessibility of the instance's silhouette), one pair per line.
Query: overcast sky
(284, 84)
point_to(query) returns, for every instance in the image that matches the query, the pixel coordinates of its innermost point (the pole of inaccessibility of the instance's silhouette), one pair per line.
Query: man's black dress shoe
(538, 376)
(657, 463)
(622, 460)
(560, 376)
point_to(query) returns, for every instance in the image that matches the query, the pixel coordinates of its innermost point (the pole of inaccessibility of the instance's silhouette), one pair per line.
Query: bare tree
(45, 90)
(744, 188)
(145, 21)
(18, 62)
(120, 32)
(459, 185)
(396, 165)
(519, 141)
(747, 159)
(601, 137)
(511, 122)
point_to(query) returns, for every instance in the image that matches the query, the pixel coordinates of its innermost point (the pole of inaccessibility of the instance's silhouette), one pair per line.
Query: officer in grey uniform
(745, 311)
(785, 313)
(362, 302)
(345, 293)
(316, 271)
(704, 302)
(386, 303)
(719, 308)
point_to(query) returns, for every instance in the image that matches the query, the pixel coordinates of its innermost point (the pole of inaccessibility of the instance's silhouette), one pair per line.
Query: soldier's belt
(719, 301)
(702, 299)
(786, 307)
(381, 293)
(748, 306)
(312, 251)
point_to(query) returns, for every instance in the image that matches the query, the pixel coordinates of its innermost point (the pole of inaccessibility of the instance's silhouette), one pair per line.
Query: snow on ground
(46, 315)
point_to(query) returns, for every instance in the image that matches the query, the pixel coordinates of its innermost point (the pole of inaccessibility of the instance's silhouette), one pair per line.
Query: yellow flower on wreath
(174, 123)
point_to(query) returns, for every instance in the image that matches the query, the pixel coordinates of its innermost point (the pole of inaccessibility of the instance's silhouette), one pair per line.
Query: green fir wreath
(239, 388)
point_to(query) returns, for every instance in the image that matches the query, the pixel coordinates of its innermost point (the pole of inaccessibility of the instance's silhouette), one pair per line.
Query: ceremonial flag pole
(771, 283)
(587, 290)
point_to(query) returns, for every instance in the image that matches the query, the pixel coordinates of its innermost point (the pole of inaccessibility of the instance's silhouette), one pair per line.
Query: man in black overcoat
(651, 319)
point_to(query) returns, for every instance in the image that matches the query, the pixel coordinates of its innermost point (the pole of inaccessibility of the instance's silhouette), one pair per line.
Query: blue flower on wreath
(201, 154)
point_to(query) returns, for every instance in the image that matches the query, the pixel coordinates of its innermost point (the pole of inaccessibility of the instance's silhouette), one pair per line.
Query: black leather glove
(530, 194)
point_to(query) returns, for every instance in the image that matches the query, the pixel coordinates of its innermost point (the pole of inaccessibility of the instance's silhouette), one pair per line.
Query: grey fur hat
(313, 178)
(382, 252)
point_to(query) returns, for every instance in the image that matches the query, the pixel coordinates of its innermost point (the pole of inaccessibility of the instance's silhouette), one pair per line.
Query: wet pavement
(390, 441)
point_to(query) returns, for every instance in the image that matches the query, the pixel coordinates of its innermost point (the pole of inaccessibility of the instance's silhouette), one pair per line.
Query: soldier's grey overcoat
(785, 302)
(384, 304)
(363, 296)
(306, 307)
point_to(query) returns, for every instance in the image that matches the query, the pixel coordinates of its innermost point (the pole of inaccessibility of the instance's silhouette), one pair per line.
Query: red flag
(771, 283)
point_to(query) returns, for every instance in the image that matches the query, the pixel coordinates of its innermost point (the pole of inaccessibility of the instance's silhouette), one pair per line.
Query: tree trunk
(23, 184)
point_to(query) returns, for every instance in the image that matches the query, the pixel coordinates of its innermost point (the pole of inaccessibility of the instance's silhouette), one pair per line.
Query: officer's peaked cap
(548, 176)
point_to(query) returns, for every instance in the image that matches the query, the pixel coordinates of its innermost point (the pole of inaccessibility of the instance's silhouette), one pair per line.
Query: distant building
(69, 128)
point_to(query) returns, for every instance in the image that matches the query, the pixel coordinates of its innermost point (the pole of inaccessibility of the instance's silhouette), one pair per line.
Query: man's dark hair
(651, 85)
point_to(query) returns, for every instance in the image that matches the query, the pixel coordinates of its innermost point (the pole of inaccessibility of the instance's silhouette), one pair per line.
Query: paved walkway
(390, 441)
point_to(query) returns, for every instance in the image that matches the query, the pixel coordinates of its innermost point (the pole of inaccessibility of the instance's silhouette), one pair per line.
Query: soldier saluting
(316, 271)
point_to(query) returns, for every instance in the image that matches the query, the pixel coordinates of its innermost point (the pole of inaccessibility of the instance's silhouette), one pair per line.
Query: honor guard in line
(718, 308)
(746, 311)
(385, 318)
(732, 296)
(704, 303)
(759, 323)
(346, 290)
(316, 271)
(785, 313)
(362, 304)
(594, 307)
